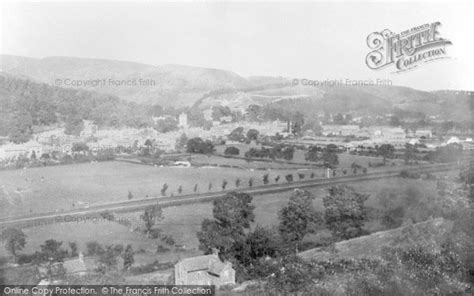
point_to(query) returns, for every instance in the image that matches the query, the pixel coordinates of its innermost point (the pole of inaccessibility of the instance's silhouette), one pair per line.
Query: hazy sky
(298, 40)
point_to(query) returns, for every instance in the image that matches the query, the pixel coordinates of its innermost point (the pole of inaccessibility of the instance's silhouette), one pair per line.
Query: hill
(432, 232)
(27, 105)
(185, 86)
(167, 85)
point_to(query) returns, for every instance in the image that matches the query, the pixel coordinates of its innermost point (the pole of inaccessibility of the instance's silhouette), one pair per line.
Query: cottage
(204, 270)
(79, 266)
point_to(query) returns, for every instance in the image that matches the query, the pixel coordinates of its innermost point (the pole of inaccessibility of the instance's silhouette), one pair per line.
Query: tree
(395, 121)
(73, 247)
(298, 218)
(14, 239)
(277, 179)
(163, 189)
(232, 215)
(198, 145)
(386, 151)
(130, 195)
(237, 135)
(261, 242)
(180, 189)
(74, 125)
(21, 128)
(250, 182)
(338, 118)
(108, 258)
(94, 248)
(80, 147)
(252, 134)
(224, 184)
(150, 216)
(265, 179)
(297, 123)
(409, 153)
(312, 154)
(181, 142)
(128, 258)
(231, 150)
(195, 188)
(289, 178)
(237, 182)
(166, 125)
(345, 212)
(51, 251)
(330, 159)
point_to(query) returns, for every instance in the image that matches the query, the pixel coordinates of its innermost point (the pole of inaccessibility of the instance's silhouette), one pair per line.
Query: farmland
(183, 222)
(47, 189)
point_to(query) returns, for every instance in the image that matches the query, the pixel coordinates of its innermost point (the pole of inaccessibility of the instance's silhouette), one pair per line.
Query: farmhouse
(78, 266)
(204, 270)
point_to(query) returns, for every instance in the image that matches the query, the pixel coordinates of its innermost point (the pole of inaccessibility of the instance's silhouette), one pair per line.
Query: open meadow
(183, 222)
(58, 188)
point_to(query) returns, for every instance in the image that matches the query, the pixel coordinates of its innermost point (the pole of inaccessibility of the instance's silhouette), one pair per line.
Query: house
(342, 130)
(79, 266)
(424, 133)
(388, 133)
(204, 270)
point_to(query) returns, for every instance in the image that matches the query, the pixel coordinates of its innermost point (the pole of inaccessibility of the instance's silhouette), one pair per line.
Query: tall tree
(232, 216)
(128, 258)
(386, 151)
(298, 218)
(345, 212)
(150, 216)
(14, 239)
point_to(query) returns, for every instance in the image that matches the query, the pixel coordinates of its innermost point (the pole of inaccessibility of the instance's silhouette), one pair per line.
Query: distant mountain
(167, 85)
(202, 88)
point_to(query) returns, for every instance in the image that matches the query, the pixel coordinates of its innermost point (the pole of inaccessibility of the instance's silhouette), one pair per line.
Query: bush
(94, 248)
(231, 151)
(169, 240)
(162, 249)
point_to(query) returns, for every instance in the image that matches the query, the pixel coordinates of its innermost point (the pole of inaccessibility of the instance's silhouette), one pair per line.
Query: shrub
(231, 151)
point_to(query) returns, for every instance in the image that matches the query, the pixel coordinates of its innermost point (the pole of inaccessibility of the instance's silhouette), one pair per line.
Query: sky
(311, 40)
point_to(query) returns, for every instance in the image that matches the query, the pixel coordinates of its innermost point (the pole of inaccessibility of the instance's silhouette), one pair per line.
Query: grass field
(183, 222)
(58, 188)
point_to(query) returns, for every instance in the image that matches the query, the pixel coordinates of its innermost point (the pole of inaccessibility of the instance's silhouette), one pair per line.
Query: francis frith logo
(406, 50)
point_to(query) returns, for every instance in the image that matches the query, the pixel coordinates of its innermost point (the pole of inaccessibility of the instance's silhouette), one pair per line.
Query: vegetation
(298, 218)
(29, 104)
(14, 240)
(198, 145)
(150, 217)
(345, 212)
(231, 150)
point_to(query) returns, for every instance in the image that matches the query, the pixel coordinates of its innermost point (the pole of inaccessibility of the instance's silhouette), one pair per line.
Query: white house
(204, 270)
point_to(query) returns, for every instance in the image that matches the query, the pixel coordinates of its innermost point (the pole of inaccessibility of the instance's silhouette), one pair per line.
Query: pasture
(58, 188)
(183, 222)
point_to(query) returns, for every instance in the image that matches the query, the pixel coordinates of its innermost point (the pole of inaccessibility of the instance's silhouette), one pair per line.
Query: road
(137, 205)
